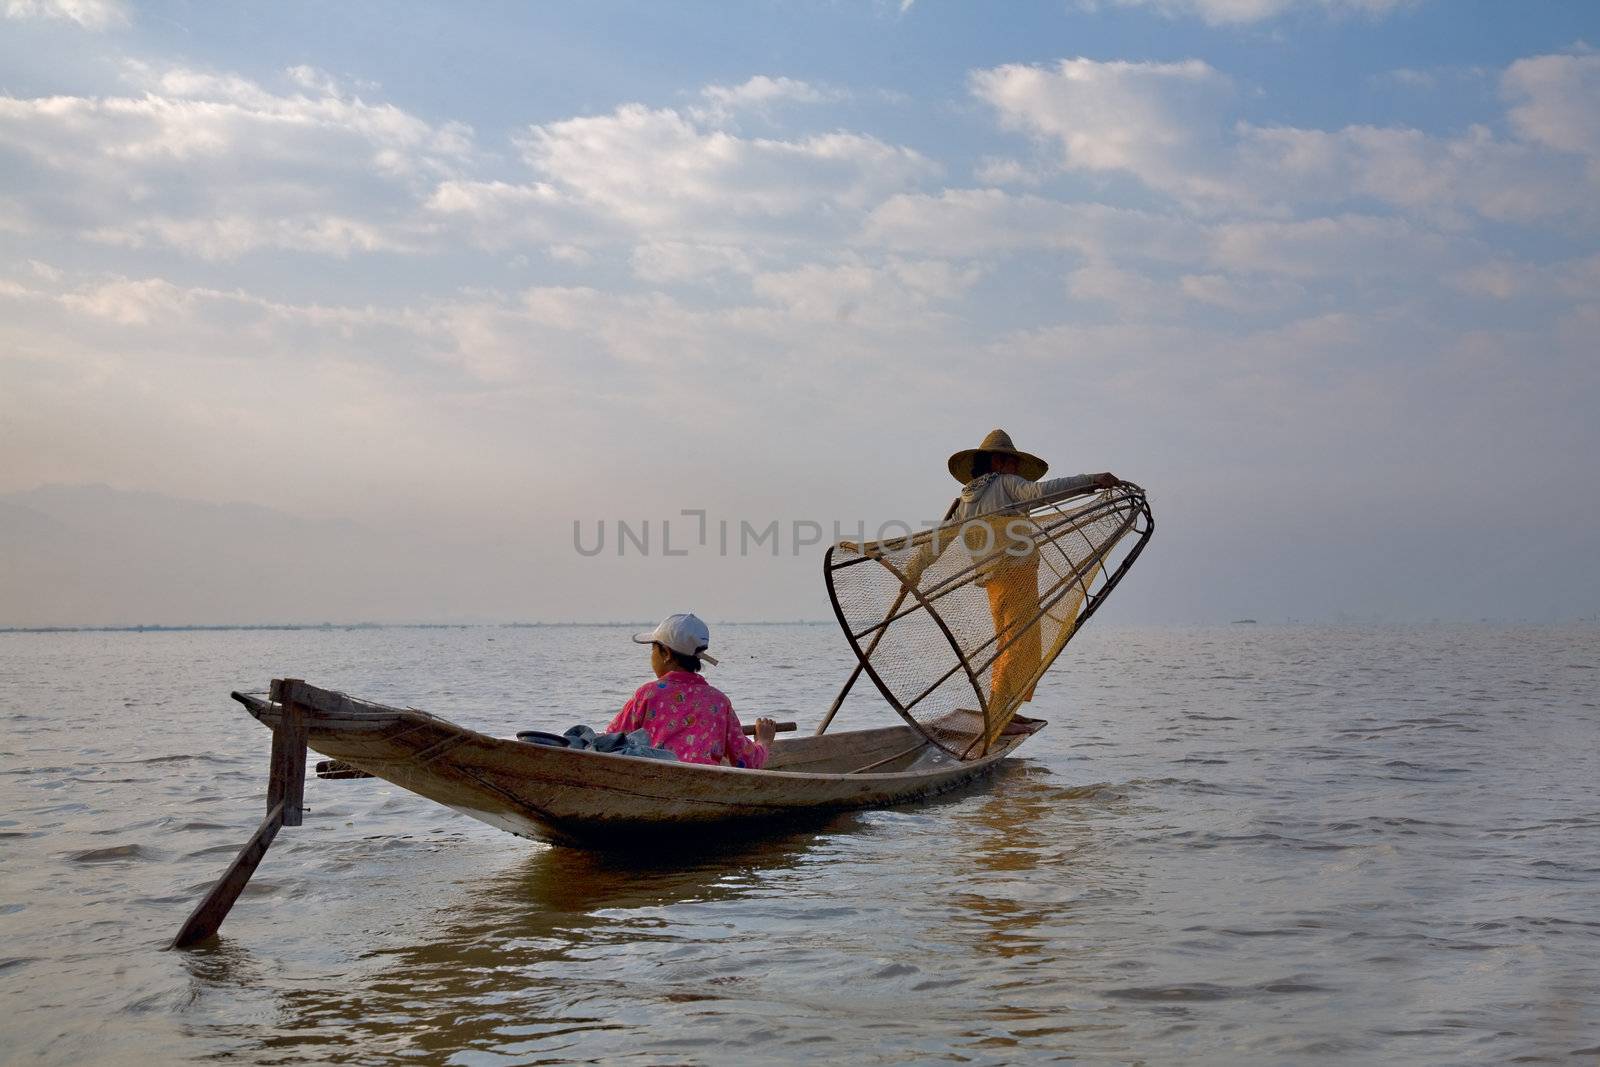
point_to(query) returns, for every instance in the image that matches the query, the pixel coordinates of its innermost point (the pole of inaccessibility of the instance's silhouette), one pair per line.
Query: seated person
(681, 710)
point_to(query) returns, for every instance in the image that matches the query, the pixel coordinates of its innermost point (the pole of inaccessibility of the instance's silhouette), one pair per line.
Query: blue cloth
(636, 743)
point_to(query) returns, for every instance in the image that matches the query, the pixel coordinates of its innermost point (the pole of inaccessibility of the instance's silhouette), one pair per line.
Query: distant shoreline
(644, 624)
(267, 626)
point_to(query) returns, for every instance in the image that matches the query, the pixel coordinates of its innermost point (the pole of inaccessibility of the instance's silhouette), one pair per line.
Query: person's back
(693, 718)
(684, 713)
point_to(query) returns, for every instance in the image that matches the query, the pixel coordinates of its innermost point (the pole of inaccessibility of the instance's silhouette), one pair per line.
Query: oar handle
(781, 727)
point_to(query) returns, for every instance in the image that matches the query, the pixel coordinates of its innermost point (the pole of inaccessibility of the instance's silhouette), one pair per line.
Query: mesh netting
(956, 625)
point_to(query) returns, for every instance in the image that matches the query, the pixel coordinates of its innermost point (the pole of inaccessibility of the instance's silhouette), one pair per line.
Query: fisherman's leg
(1029, 647)
(1014, 603)
(997, 671)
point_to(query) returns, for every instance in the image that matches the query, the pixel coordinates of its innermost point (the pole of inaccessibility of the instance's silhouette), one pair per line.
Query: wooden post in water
(286, 780)
(286, 783)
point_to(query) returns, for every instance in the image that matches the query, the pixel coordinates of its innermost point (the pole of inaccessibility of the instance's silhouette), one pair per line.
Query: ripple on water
(1199, 992)
(1094, 902)
(134, 853)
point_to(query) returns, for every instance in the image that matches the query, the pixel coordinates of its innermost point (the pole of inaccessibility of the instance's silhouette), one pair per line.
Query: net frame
(1097, 567)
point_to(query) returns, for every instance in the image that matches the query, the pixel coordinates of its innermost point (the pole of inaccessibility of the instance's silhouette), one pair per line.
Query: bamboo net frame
(956, 625)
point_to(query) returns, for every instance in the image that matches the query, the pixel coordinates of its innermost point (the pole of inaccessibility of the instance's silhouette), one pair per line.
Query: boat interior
(892, 748)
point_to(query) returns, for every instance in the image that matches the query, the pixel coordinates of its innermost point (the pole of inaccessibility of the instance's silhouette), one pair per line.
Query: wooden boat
(575, 796)
(919, 614)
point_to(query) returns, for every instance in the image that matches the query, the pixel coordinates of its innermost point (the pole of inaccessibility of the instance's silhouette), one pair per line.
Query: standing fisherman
(997, 482)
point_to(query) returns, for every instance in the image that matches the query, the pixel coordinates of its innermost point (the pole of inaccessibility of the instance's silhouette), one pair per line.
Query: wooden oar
(338, 768)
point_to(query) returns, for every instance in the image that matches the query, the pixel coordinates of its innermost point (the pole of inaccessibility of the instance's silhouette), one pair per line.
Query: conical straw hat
(1030, 466)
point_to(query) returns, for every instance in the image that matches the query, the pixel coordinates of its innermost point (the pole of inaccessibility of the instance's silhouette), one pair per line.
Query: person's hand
(766, 730)
(1107, 480)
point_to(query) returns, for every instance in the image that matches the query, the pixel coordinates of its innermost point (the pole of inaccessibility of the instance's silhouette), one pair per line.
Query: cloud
(217, 165)
(1168, 264)
(1139, 296)
(1406, 76)
(1166, 126)
(883, 296)
(225, 237)
(1154, 120)
(662, 178)
(1237, 12)
(89, 14)
(1346, 246)
(1477, 172)
(978, 222)
(760, 94)
(1504, 279)
(655, 169)
(998, 170)
(1556, 101)
(498, 215)
(683, 261)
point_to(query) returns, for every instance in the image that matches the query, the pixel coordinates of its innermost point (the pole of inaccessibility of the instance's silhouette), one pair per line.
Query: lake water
(1239, 844)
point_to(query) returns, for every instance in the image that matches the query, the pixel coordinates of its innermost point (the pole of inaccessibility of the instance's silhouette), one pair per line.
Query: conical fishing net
(956, 625)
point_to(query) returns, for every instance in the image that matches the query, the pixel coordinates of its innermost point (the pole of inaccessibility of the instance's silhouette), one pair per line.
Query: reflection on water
(1267, 847)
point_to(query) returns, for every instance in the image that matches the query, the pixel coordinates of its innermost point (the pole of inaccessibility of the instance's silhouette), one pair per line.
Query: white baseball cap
(684, 634)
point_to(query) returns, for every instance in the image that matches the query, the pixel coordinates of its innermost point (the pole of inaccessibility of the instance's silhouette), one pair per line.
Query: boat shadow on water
(717, 862)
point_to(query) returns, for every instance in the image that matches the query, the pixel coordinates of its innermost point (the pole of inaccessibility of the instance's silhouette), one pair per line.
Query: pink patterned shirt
(687, 714)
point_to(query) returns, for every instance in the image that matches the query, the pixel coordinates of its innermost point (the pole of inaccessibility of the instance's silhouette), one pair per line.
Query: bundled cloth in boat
(583, 737)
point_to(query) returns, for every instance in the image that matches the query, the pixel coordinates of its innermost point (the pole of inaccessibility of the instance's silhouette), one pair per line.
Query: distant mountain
(93, 555)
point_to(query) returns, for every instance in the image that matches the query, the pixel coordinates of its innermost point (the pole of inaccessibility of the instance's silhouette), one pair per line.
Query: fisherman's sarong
(1013, 590)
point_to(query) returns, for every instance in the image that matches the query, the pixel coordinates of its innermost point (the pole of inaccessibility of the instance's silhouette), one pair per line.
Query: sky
(378, 311)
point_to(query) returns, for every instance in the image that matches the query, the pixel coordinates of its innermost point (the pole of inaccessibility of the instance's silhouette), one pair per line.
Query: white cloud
(1236, 12)
(1350, 246)
(90, 14)
(977, 222)
(225, 237)
(1154, 262)
(1246, 296)
(1415, 79)
(1126, 289)
(1508, 279)
(1556, 101)
(218, 165)
(1165, 125)
(664, 179)
(1145, 297)
(880, 296)
(1432, 176)
(499, 215)
(760, 94)
(998, 170)
(1158, 121)
(657, 169)
(683, 261)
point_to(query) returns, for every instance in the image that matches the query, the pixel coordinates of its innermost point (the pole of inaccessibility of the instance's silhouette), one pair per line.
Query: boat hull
(573, 796)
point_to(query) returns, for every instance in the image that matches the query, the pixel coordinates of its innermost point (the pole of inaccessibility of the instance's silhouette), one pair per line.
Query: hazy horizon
(376, 313)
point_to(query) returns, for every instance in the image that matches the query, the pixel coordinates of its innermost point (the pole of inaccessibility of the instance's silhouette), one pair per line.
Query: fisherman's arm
(1077, 485)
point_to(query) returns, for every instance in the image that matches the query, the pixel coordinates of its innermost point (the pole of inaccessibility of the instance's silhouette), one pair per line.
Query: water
(1233, 844)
